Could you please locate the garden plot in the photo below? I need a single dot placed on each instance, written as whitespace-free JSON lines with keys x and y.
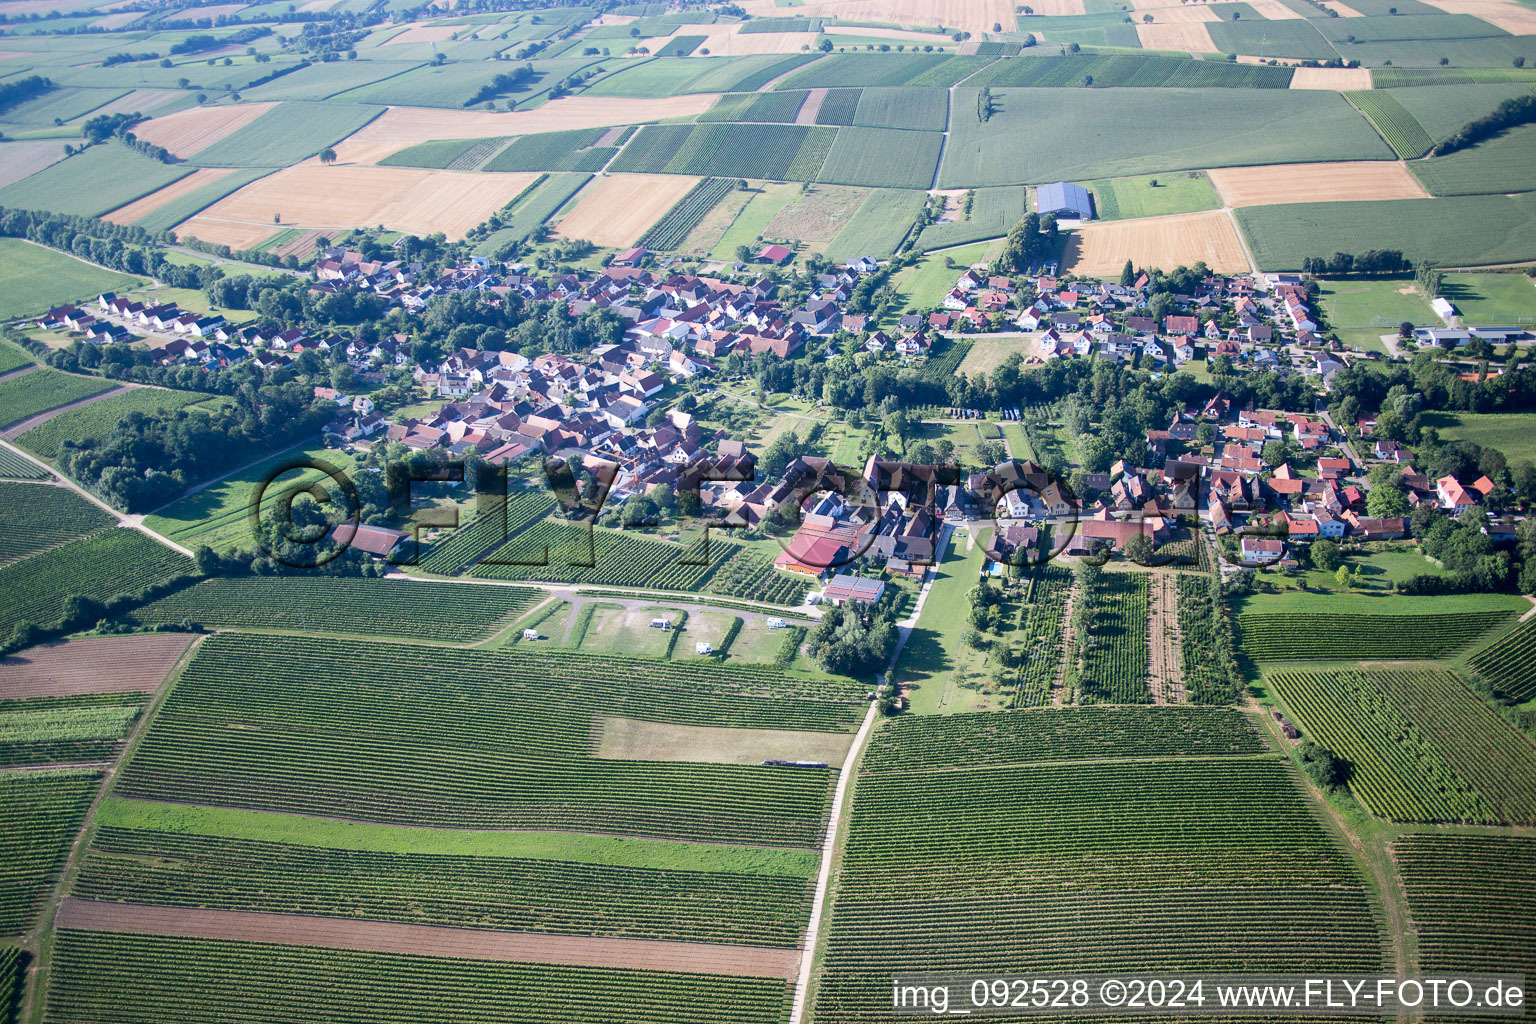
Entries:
{"x":106,"y":664}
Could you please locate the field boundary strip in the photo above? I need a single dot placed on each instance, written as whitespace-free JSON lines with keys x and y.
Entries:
{"x":426,"y":940}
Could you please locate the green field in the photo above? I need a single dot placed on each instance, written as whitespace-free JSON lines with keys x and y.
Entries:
{"x":1397,"y":125}
{"x":777,"y":152}
{"x":925,"y":285}
{"x":421,"y":725}
{"x":43,"y":389}
{"x":1510,"y":433}
{"x":319,"y":81}
{"x":216,"y":515}
{"x":883,"y":157}
{"x":1219,"y":857}
{"x":1348,"y":636}
{"x":1140,"y":131}
{"x":105,"y":566}
{"x":993,"y":212}
{"x":101,"y":976}
{"x":1494,"y":167}
{"x":673,"y":76}
{"x":879,"y":226}
{"x":534,"y":207}
{"x":1443,"y":109}
{"x":883,"y":69}
{"x":41,"y":516}
{"x":1118,"y":198}
{"x":1491,"y":299}
{"x":911,"y":107}
{"x":773,"y":107}
{"x":1422,"y":746}
{"x":65,"y":730}
{"x":100,"y":179}
{"x":1298,"y":38}
{"x":179,"y":209}
{"x":1509,"y":663}
{"x":839,"y":106}
{"x":555,"y":151}
{"x":748,"y":227}
{"x":97,"y":419}
{"x":1466,"y":231}
{"x":40,"y":813}
{"x":34,"y":279}
{"x":287,"y":134}
{"x":1377,"y":305}
{"x":1472,"y":899}
{"x":1127,"y":70}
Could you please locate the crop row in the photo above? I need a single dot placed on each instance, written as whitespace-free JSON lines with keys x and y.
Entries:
{"x":38,"y":516}
{"x":13,"y":978}
{"x":1396,"y":123}
{"x":342,"y":604}
{"x":1058,"y":734}
{"x":40,"y":812}
{"x":493,"y":522}
{"x":98,"y":419}
{"x":1472,"y":900}
{"x":669,"y":232}
{"x":104,"y":566}
{"x":1044,"y":625}
{"x":555,"y":151}
{"x":839,"y":106}
{"x":134,"y":979}
{"x":1127,"y":70}
{"x":65,"y":730}
{"x":41,"y":390}
{"x":1212,"y":864}
{"x":516,"y":894}
{"x":562,"y":552}
{"x":1509,"y":663}
{"x":1303,"y":636}
{"x":1110,"y":632}
{"x":18,"y":468}
{"x":478,"y":739}
{"x":1421,"y":745}
{"x":1207,"y":648}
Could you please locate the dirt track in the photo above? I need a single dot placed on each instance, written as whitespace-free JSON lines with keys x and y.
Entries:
{"x":422,"y":940}
{"x":105,"y":664}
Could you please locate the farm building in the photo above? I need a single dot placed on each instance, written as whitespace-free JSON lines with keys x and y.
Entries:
{"x":844,"y":587}
{"x":376,"y":540}
{"x":1064,"y":200}
{"x":775,"y":254}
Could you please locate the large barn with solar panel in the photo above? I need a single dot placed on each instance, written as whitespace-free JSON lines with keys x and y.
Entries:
{"x":1064,"y":200}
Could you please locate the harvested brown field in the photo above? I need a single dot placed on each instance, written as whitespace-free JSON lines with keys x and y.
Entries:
{"x":140,"y":101}
{"x":730,"y":41}
{"x":1269,"y":184}
{"x":1100,"y":250}
{"x":190,"y":131}
{"x":629,"y":739}
{"x":974,"y":16}
{"x":1511,"y":17}
{"x":175,"y":190}
{"x":1341,"y":79}
{"x":235,"y":234}
{"x":399,"y":127}
{"x":817,"y":214}
{"x":310,"y":195}
{"x":1057,"y":8}
{"x":425,"y":940}
{"x":100,"y":664}
{"x":616,"y":209}
{"x":1189,"y":36}
{"x":1174,"y":14}
{"x":1273,"y":10}
{"x":21,"y":159}
{"x":431,"y":32}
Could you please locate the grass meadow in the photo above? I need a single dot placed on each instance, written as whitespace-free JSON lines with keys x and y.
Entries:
{"x":34,"y":279}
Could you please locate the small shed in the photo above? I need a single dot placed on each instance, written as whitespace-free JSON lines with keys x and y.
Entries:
{"x":703,"y":648}
{"x":661,"y":623}
{"x":531,"y":634}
